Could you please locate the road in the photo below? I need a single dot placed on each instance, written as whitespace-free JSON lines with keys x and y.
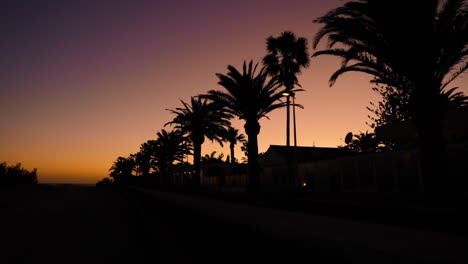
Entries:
{"x":70,"y":224}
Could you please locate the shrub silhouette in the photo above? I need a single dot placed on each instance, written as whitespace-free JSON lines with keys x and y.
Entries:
{"x":16,"y":175}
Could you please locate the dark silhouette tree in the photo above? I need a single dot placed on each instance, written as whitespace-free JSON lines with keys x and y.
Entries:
{"x":16,"y":175}
{"x":212,"y":158}
{"x":148,"y":150}
{"x":198,"y":120}
{"x":418,"y":47}
{"x":143,"y":160}
{"x":249,"y":96}
{"x":365,"y":143}
{"x":168,"y":148}
{"x":287,"y":55}
{"x":104,"y":183}
{"x":453,"y":99}
{"x":394,"y":106}
{"x":122,"y":169}
{"x":232,"y":136}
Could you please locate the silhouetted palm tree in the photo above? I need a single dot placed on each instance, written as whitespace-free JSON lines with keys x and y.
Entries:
{"x":416,"y":46}
{"x":364,"y":143}
{"x":121,"y":169}
{"x":142,"y":164}
{"x":198,"y":120}
{"x":453,"y":99}
{"x":168,"y":148}
{"x":287,"y":55}
{"x":143,"y":158}
{"x":212,"y":158}
{"x":249,"y":96}
{"x":232,"y":136}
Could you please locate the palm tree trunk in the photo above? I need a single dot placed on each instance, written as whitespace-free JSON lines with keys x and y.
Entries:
{"x":233,"y":160}
{"x":252,"y":129}
{"x":164,"y":175}
{"x":169,"y":175}
{"x":432,"y":151}
{"x":196,"y":163}
{"x":432,"y":148}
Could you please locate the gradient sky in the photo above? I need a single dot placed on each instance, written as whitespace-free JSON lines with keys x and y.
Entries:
{"x":83,"y":82}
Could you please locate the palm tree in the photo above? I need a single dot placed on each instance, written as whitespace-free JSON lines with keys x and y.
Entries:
{"x":198,"y":120}
{"x":287,"y":55}
{"x":418,"y":47}
{"x":168,"y":148}
{"x":212,"y":158}
{"x":121,"y":169}
{"x":453,"y":99}
{"x":232,"y":136}
{"x":143,"y":158}
{"x":249,"y":96}
{"x":365,"y":143}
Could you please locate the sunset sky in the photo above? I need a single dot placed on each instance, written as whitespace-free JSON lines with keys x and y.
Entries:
{"x":83,"y":82}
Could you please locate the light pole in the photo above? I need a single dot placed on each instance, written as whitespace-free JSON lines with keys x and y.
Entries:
{"x":294,"y":165}
{"x":287,"y":95}
{"x":294,"y":121}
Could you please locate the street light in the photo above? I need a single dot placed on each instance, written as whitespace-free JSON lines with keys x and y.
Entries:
{"x":294,"y":165}
{"x":287,"y":95}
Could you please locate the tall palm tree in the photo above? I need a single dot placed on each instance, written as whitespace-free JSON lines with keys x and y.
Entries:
{"x":168,"y":148}
{"x":287,"y":55}
{"x":417,"y":46}
{"x":249,"y":96}
{"x":198,"y":120}
{"x":232,"y":136}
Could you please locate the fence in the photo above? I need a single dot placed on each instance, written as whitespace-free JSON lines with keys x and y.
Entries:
{"x":224,"y":174}
{"x":384,"y":172}
{"x":398,"y":171}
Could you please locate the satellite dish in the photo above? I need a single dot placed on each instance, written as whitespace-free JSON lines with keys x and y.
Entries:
{"x":348,"y":138}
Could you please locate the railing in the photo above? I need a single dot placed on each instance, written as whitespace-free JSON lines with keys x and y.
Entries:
{"x":398,"y":171}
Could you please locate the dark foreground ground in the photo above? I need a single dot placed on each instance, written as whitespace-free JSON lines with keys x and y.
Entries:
{"x":442,"y":214}
{"x":69,"y":224}
{"x":73,"y":224}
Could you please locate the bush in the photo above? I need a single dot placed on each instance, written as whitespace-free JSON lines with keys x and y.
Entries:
{"x":104,"y":183}
{"x":16,"y":175}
